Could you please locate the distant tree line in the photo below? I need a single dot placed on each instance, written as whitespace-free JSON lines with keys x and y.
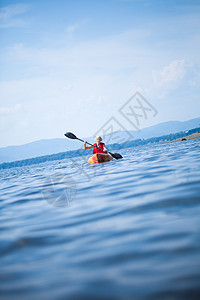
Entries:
{"x":82,"y":152}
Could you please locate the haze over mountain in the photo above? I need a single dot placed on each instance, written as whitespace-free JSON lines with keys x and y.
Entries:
{"x":51,"y":146}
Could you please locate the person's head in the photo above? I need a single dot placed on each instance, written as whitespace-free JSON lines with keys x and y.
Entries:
{"x":98,"y":139}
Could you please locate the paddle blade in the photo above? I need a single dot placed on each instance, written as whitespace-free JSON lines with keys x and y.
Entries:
{"x":70,"y":135}
{"x":116,"y":155}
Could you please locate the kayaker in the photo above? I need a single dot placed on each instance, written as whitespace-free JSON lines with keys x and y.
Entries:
{"x":98,"y":144}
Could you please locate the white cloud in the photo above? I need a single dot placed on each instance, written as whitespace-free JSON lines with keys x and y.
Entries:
{"x":9,"y":15}
{"x":10,"y":109}
{"x":171,"y":73}
{"x":72,"y":28}
{"x":114,"y":53}
{"x":176,"y":82}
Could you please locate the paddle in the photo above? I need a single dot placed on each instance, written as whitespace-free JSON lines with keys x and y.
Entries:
{"x":72,"y":136}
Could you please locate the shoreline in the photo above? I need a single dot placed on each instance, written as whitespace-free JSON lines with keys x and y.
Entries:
{"x":193,"y":136}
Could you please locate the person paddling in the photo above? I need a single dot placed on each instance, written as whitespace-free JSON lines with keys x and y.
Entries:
{"x":72,"y":136}
{"x":98,"y":144}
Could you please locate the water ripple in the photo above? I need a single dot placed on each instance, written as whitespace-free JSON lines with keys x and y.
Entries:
{"x":128,"y":229}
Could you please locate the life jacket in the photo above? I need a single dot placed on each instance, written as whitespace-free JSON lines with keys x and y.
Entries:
{"x":95,"y":150}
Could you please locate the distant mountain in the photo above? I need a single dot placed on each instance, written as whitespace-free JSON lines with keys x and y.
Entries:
{"x":166,"y":128}
{"x":37,"y":148}
{"x":51,"y":146}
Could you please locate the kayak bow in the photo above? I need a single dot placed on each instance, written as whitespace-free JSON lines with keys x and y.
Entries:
{"x":99,"y":158}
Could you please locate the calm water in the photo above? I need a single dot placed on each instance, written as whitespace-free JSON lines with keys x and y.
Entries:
{"x":128,"y":229}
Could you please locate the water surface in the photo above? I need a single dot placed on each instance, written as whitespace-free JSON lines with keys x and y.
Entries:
{"x":127,"y":229}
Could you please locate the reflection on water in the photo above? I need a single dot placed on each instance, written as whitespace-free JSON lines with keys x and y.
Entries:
{"x":127,"y":229}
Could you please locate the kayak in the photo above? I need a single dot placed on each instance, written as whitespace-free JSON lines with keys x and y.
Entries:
{"x":99,"y":158}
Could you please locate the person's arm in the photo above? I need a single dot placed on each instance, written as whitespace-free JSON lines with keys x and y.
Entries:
{"x":104,"y":148}
{"x":87,"y":147}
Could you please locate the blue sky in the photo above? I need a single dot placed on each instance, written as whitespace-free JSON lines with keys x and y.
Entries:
{"x":71,"y":65}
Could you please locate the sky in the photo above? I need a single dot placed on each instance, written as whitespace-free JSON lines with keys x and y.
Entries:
{"x":71,"y":65}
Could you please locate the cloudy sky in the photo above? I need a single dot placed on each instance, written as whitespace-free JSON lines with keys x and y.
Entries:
{"x":70,"y":65}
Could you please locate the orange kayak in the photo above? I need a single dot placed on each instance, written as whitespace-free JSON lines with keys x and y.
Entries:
{"x":99,"y":158}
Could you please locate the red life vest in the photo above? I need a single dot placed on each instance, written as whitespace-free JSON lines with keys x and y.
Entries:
{"x":95,"y":150}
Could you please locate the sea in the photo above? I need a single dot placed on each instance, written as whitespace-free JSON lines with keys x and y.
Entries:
{"x":125,"y":229}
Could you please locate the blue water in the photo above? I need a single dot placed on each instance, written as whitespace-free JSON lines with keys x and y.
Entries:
{"x":127,"y":229}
